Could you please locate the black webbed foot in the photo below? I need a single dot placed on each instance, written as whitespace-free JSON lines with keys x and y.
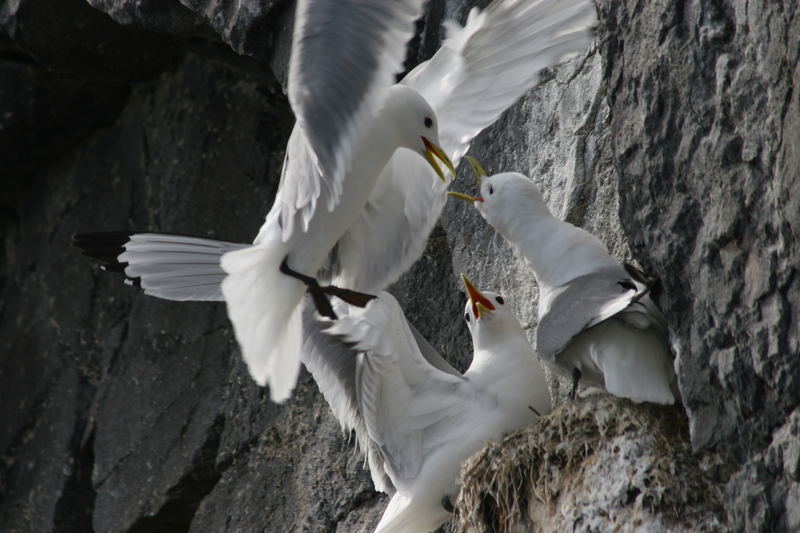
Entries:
{"x":359,"y":299}
{"x":318,"y":292}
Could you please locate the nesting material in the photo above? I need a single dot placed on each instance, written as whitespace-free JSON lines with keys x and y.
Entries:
{"x":597,"y":464}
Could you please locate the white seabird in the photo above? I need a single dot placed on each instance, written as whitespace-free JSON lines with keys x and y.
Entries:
{"x":597,"y":321}
{"x":339,"y":230}
{"x":416,"y":417}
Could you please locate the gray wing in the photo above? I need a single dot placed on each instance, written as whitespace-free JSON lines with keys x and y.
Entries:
{"x":393,"y":228}
{"x":430,"y":353}
{"x":480,"y":71}
{"x":404,"y":400}
{"x":343,"y":53}
{"x":484,"y":67}
{"x":333,"y":363}
{"x":588,"y":300}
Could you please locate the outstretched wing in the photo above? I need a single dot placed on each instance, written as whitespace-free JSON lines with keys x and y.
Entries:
{"x":484,"y":67}
{"x":404,"y":400}
{"x":589,"y":300}
{"x":480,"y":71}
{"x":393,"y":228}
{"x":344,"y":53}
{"x":334,"y":363}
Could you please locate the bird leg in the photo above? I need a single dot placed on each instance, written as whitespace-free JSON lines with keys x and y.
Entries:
{"x":576,"y":376}
{"x":321,"y":301}
{"x":447,"y":503}
{"x":359,"y":299}
{"x":318,"y":292}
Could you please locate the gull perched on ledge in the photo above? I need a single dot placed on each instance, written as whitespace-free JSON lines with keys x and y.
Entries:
{"x":597,"y":321}
{"x":417,"y":418}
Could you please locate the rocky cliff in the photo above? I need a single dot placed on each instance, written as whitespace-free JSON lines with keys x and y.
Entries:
{"x":676,"y":139}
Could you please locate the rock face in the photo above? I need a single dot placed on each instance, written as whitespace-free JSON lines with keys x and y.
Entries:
{"x":675,"y":140}
{"x":596,"y":464}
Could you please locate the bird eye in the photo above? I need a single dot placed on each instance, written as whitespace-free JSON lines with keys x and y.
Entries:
{"x":500,"y":300}
{"x":428,"y":122}
{"x":491,"y":190}
{"x":466,"y":317}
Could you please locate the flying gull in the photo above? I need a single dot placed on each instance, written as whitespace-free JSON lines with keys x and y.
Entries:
{"x":415,"y":416}
{"x":320,"y":234}
{"x":597,"y":321}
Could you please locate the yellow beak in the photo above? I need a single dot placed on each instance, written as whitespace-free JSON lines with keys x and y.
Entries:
{"x":465,"y":197}
{"x":432,"y":150}
{"x":477,"y":169}
{"x":481,"y":305}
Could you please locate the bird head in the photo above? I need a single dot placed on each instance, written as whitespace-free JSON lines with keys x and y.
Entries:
{"x":417,"y":127}
{"x":489,"y":319}
{"x":504,"y":197}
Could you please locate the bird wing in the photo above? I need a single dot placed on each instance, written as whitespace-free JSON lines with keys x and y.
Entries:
{"x":480,"y":71}
{"x":343,"y":54}
{"x":589,"y":300}
{"x":483,"y":67}
{"x":405,"y":401}
{"x":393,"y":227}
{"x":334,"y":364}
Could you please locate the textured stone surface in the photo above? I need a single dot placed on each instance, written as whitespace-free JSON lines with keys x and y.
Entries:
{"x":677,"y":135}
{"x":596,"y":464}
{"x":705,"y":118}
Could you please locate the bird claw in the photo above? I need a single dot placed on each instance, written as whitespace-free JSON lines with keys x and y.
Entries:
{"x":319,"y":293}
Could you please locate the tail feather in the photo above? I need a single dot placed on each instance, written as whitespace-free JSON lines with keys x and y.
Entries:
{"x":406,"y":515}
{"x":637,"y":365}
{"x":264,"y":308}
{"x":172,"y":267}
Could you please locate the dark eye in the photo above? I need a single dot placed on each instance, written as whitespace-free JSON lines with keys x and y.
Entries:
{"x":428,"y":122}
{"x":500,"y":300}
{"x":491,"y":190}
{"x":466,"y":317}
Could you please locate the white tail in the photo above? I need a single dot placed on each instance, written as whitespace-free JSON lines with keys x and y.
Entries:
{"x":264,"y":307}
{"x":636,"y":365}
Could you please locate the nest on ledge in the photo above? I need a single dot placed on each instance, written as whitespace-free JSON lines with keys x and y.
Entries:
{"x":597,"y":464}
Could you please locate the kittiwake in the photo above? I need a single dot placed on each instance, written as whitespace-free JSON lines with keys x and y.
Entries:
{"x":415,"y":416}
{"x":597,"y":321}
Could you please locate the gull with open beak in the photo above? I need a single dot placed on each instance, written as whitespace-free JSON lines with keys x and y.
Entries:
{"x":356,"y":201}
{"x":597,"y":321}
{"x":416,"y":417}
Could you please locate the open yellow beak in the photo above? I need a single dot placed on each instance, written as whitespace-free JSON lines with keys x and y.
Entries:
{"x":432,"y":150}
{"x":477,"y":169}
{"x":481,"y":305}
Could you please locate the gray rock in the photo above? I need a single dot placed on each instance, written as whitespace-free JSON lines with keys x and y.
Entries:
{"x":674,"y":141}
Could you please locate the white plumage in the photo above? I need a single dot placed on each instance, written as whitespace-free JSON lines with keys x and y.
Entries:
{"x":594,"y":316}
{"x":422,"y":422}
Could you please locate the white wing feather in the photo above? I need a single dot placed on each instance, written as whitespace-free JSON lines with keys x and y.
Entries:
{"x":484,"y":67}
{"x":480,"y":71}
{"x":402,"y":397}
{"x":344,"y":53}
